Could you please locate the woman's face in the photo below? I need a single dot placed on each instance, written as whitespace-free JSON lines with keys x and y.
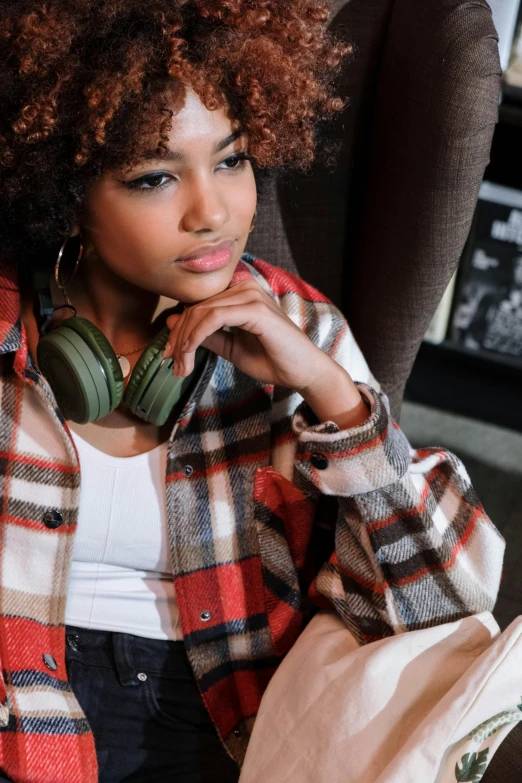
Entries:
{"x":142,"y":224}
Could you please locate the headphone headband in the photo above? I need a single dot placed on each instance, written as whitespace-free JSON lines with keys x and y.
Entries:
{"x":43,"y":307}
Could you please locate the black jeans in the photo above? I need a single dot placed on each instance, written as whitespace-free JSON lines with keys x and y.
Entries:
{"x":149,"y":721}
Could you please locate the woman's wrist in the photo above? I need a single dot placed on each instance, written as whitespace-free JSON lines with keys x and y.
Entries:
{"x":335,"y":397}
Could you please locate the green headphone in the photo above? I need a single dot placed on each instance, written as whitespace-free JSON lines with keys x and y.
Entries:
{"x":86,"y":378}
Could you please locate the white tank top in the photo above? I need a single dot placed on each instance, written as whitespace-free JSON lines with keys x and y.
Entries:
{"x":121,"y":575}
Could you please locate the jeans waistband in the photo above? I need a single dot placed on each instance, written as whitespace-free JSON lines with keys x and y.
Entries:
{"x":129,"y":655}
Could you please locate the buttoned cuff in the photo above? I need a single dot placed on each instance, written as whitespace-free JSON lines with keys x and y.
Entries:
{"x":350,"y":462}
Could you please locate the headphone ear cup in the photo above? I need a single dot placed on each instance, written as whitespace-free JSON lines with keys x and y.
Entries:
{"x":145,"y":367}
{"x":152,"y":390}
{"x":82,"y":370}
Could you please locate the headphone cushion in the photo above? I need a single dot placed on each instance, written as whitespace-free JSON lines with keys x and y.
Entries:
{"x":149,"y":355}
{"x":104,"y":352}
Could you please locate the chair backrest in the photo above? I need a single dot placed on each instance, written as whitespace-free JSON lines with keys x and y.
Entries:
{"x":382,"y":233}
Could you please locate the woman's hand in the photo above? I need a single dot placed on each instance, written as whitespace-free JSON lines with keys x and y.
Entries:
{"x":264,"y":343}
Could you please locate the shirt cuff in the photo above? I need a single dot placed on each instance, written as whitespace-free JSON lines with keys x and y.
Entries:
{"x":350,"y":462}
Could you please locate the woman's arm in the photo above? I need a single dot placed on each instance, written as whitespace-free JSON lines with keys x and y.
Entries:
{"x":413,"y":544}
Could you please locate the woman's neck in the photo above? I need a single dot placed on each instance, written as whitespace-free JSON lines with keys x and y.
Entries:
{"x":123,"y":312}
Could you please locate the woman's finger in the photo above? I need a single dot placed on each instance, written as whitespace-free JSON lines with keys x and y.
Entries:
{"x":220,"y":342}
{"x":248,"y":298}
{"x":250,"y":317}
{"x":232,"y":297}
{"x":183,"y":342}
{"x":174,"y":323}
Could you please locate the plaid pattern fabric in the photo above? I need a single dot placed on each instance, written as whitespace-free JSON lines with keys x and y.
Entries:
{"x":411,"y":545}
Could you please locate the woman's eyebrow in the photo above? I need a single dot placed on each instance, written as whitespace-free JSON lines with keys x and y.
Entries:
{"x":175,"y":156}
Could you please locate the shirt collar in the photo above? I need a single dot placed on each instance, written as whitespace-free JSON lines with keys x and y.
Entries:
{"x":10,"y":310}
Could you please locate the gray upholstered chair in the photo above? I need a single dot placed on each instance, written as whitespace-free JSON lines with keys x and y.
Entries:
{"x":382,"y":233}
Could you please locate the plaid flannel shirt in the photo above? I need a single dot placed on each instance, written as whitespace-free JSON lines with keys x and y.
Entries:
{"x":253,"y":552}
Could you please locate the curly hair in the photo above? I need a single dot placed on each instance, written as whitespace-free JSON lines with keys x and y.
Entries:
{"x":84,"y":88}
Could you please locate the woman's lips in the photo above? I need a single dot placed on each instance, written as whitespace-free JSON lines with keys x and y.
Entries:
{"x":209,"y":262}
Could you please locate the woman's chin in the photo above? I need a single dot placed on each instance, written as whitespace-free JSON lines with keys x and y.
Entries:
{"x":201,"y":286}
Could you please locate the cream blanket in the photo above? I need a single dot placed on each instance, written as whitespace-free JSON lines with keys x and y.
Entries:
{"x":430,"y":705}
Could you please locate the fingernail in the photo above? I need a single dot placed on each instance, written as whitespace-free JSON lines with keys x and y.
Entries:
{"x":167,"y":348}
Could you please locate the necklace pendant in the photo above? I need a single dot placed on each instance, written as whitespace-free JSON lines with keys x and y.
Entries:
{"x":125,"y":365}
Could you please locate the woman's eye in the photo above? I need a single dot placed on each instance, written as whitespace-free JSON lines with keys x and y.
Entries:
{"x":237,"y":161}
{"x":149,"y":182}
{"x":158,"y":181}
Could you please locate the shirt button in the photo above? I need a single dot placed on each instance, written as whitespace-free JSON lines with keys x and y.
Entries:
{"x":142,"y":676}
{"x":188,"y":470}
{"x":237,"y":733}
{"x":50,"y":662}
{"x":205,"y":616}
{"x":52,"y":519}
{"x":319,"y":461}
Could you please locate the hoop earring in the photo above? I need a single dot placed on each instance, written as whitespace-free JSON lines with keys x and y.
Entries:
{"x":253,"y":225}
{"x":62,"y":286}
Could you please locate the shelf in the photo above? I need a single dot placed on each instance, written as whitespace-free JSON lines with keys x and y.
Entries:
{"x":467,"y":383}
{"x":488,"y":356}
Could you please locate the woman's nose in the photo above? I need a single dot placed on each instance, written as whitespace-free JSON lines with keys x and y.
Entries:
{"x":205,"y":209}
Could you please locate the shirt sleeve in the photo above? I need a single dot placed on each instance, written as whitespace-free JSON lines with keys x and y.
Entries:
{"x":414,"y":546}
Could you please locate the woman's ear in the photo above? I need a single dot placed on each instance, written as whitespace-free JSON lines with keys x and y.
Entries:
{"x":76,"y":230}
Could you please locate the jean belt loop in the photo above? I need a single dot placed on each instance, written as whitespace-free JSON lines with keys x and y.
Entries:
{"x":122,"y":648}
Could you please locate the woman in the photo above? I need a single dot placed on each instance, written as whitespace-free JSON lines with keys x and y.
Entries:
{"x":156,"y":568}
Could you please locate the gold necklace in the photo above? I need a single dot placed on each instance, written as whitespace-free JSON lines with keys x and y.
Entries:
{"x":124,"y":362}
